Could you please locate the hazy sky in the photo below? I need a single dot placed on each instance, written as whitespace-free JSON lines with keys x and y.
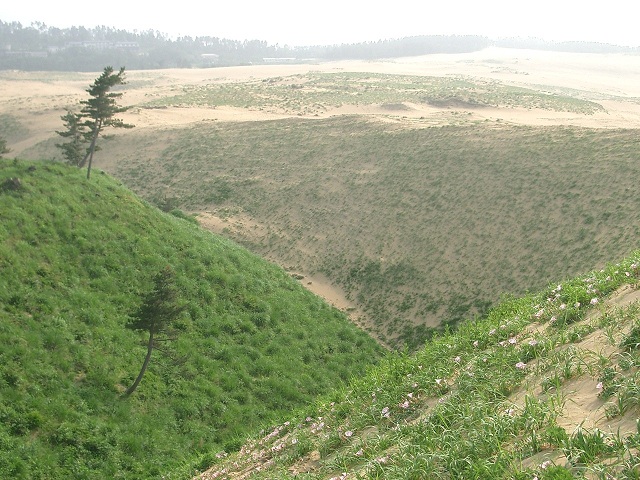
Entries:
{"x":300,"y":22}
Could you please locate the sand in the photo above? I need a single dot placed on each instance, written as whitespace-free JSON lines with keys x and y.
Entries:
{"x":38,"y":99}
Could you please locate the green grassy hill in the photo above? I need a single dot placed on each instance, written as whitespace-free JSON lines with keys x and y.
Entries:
{"x":544,"y":387}
{"x":76,"y":257}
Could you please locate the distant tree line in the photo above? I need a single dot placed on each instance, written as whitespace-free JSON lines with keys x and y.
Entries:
{"x":42,"y":47}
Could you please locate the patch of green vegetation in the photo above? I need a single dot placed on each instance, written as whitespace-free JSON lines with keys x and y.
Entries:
{"x":467,"y":405}
{"x":76,"y":259}
{"x":11,"y":129}
{"x":315,"y":92}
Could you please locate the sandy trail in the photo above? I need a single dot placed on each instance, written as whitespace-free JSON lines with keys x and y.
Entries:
{"x":319,"y":284}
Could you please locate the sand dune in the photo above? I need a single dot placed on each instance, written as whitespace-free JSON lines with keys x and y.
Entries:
{"x":38,"y":99}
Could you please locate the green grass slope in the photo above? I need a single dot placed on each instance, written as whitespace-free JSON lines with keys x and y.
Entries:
{"x":545,"y":387}
{"x":75,"y":259}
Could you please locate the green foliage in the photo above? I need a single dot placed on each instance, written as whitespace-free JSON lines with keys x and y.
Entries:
{"x":74,"y":150}
{"x":556,"y":472}
{"x":97,"y":113}
{"x":176,"y":212}
{"x":632,"y":340}
{"x":3,"y":147}
{"x":160,"y":308}
{"x":467,"y":404}
{"x":76,"y":260}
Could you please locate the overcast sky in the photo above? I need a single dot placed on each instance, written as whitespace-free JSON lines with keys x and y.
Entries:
{"x":300,"y":22}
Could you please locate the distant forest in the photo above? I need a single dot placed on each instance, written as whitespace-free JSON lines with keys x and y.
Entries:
{"x":42,"y":47}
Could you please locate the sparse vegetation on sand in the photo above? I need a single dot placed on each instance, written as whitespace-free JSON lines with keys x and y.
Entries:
{"x":421,"y":227}
{"x":546,"y":386}
{"x":316,"y":92}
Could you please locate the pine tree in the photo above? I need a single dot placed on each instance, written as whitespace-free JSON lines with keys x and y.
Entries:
{"x":100,"y":109}
{"x":74,"y":150}
{"x":159,"y":309}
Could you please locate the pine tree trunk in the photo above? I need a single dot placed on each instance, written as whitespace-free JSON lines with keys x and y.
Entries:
{"x":92,"y":149}
{"x":133,"y":387}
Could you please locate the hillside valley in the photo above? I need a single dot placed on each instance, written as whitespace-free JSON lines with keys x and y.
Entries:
{"x":544,"y":387}
{"x":413,"y":192}
{"x":471,"y":221}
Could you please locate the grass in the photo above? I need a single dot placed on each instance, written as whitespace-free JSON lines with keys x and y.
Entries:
{"x":315,"y":92}
{"x":75,"y":260}
{"x":421,"y":227}
{"x":469,"y":404}
{"x":395,"y":214}
{"x":418,"y":225}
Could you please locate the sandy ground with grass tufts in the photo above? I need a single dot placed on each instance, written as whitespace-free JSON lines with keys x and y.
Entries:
{"x":38,"y":99}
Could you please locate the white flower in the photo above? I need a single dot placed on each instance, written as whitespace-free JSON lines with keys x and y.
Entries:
{"x":594,"y":301}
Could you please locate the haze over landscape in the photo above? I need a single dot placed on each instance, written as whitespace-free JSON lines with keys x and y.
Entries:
{"x":288,"y":22}
{"x":398,"y":267}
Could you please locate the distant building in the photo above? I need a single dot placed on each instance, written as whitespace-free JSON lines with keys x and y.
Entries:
{"x":209,"y":59}
{"x":279,"y":60}
{"x":104,"y":45}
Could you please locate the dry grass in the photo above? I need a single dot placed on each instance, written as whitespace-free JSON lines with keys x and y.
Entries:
{"x":417,"y":226}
